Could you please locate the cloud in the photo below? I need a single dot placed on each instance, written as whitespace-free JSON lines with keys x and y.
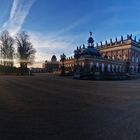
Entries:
{"x":14,"y":9}
{"x":56,"y":43}
{"x":19,"y":11}
{"x":46,"y":46}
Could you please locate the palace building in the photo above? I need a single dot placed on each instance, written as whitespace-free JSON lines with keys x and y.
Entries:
{"x":119,"y":56}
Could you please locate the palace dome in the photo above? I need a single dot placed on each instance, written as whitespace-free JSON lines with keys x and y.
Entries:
{"x":53,"y":58}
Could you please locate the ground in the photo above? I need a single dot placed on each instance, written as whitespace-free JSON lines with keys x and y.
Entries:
{"x":45,"y":107}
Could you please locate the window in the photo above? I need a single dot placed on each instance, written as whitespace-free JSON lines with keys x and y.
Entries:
{"x":113,"y":68}
{"x":120,"y":68}
{"x":116,"y":68}
{"x":133,"y":59}
{"x":97,"y":66}
{"x":108,"y":67}
{"x":137,"y":59}
{"x":91,"y":65}
{"x":102,"y":67}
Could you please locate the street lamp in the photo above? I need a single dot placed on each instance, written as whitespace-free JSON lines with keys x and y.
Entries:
{"x":77,"y":68}
{"x":63,"y":59}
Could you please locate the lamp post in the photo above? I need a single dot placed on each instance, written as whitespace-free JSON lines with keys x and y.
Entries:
{"x":63,"y":59}
{"x":77,"y":68}
{"x":76,"y":56}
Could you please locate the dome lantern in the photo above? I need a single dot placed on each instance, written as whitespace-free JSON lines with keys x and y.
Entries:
{"x":90,"y":41}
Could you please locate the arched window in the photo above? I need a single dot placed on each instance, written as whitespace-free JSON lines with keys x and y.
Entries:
{"x":108,"y":67}
{"x":137,"y":59}
{"x":132,"y":69}
{"x":113,"y":57}
{"x":102,"y":67}
{"x":133,"y":59}
{"x":137,"y":68}
{"x":116,"y":68}
{"x":91,"y":65}
{"x":97,"y":66}
{"x":83,"y":64}
{"x":124,"y":57}
{"x":120,"y":68}
{"x":113,"y":68}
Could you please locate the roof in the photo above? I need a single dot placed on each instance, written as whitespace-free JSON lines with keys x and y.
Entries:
{"x":91,"y":52}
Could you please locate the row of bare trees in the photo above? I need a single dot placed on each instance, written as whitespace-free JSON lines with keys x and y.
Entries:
{"x":19,"y":48}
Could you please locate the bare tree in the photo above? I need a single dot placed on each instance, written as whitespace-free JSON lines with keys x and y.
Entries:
{"x":25,"y":51}
{"x":7,"y":49}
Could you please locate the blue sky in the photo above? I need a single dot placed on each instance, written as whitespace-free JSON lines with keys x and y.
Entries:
{"x":57,"y":26}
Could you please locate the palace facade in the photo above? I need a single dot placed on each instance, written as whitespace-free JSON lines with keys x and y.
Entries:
{"x":119,"y":56}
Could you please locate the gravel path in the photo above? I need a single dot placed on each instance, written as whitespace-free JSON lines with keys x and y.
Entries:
{"x":44,"y":107}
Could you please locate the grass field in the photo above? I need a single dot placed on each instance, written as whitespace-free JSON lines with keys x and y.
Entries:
{"x":45,"y":107}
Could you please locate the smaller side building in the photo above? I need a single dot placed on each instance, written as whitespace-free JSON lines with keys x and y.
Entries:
{"x":51,"y":66}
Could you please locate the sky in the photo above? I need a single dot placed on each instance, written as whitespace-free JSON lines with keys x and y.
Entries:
{"x":59,"y":26}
